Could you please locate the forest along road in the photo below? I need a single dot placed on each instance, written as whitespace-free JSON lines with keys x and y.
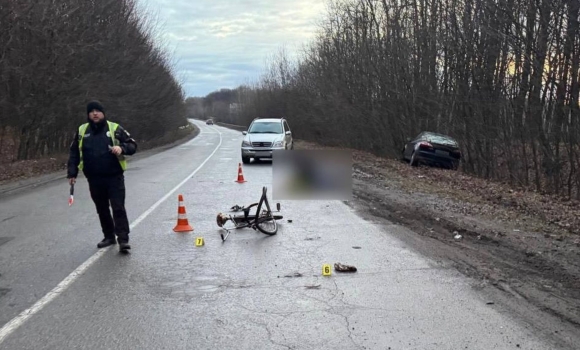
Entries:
{"x":251,"y":292}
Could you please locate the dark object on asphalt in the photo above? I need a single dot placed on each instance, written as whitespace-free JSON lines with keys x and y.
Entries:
{"x":433,"y":149}
{"x":344,"y":268}
{"x":295,"y":274}
{"x":313,"y":287}
{"x":209,"y":122}
{"x":356,"y":247}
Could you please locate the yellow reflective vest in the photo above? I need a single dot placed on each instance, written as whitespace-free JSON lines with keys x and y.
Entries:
{"x":111,"y":134}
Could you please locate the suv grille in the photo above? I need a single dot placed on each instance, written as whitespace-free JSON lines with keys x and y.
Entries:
{"x":262,"y":144}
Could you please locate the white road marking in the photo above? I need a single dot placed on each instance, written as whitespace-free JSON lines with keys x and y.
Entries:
{"x":16,"y":322}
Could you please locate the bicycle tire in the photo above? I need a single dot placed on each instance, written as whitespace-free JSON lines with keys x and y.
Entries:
{"x":269,"y":218}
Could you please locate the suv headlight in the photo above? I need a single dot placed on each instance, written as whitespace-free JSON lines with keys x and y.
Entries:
{"x":278,"y":143}
{"x":246,"y":143}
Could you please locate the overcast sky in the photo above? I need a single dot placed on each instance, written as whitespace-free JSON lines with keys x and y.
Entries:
{"x":224,"y":43}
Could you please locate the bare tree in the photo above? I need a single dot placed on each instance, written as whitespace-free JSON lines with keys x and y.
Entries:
{"x":500,"y":76}
{"x":55,"y":55}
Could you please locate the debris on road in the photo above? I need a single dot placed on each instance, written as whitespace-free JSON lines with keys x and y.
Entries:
{"x":457,"y":235}
{"x":295,"y":274}
{"x":313,"y":286}
{"x":344,"y":268}
{"x":356,"y":247}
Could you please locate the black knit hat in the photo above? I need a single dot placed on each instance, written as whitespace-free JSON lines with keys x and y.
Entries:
{"x":95,"y":105}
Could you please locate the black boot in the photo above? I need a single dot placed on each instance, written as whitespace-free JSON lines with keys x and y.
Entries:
{"x":123,"y":247}
{"x":106,"y":242}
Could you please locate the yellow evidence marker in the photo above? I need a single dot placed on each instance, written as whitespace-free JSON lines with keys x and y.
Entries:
{"x":326,"y":270}
{"x":199,"y":241}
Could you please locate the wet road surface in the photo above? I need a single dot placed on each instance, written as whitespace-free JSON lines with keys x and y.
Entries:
{"x":251,"y":292}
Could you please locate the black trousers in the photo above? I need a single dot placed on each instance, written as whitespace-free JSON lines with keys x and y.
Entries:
{"x":107,"y":191}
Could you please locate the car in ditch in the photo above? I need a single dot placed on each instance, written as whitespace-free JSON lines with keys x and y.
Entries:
{"x":433,"y":149}
{"x":264,"y":135}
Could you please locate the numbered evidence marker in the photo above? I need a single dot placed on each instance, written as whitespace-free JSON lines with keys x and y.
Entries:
{"x":326,"y":270}
{"x":199,"y":241}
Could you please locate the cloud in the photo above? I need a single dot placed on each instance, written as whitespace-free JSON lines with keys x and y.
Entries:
{"x":219,"y":43}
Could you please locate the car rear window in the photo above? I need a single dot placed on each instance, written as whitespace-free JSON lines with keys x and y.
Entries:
{"x":441,"y":139}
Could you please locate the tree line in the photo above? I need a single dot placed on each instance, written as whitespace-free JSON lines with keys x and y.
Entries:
{"x":501,"y":76}
{"x":56,"y":55}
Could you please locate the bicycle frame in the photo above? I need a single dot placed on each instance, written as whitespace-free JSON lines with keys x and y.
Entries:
{"x":250,"y":220}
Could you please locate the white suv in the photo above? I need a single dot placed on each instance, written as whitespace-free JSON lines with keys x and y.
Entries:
{"x":264,"y":136}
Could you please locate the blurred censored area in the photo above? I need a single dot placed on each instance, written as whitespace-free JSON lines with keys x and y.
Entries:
{"x":312,"y":175}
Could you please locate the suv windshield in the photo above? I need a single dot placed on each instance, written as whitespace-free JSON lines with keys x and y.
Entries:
{"x":266,"y":128}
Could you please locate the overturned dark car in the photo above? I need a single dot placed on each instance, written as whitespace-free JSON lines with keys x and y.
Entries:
{"x":433,"y":149}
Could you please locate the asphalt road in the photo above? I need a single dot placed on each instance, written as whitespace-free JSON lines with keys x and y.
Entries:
{"x":57,"y":291}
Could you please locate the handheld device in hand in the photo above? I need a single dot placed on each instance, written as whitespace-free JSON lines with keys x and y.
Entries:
{"x":71,"y":198}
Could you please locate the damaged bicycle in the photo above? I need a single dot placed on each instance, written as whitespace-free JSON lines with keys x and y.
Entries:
{"x":263,"y":219}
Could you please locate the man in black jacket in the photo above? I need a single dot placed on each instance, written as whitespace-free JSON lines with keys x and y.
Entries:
{"x":99,"y":149}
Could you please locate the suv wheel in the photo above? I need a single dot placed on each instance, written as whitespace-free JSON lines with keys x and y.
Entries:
{"x":246,"y":160}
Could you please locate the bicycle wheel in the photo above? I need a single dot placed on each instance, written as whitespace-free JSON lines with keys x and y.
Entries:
{"x":265,"y":220}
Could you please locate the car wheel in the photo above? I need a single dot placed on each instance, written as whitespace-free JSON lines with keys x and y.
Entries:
{"x":246,"y":160}
{"x":414,"y":161}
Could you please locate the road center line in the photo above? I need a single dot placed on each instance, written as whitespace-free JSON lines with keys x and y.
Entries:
{"x":16,"y":322}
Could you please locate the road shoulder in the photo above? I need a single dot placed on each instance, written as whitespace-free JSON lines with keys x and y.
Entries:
{"x":522,"y":244}
{"x":38,"y":172}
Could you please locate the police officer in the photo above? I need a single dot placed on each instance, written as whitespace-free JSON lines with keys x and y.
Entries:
{"x":99,"y":149}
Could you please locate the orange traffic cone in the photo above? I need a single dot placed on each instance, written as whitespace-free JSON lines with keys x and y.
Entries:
{"x":240,"y":174}
{"x":182,"y":223}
